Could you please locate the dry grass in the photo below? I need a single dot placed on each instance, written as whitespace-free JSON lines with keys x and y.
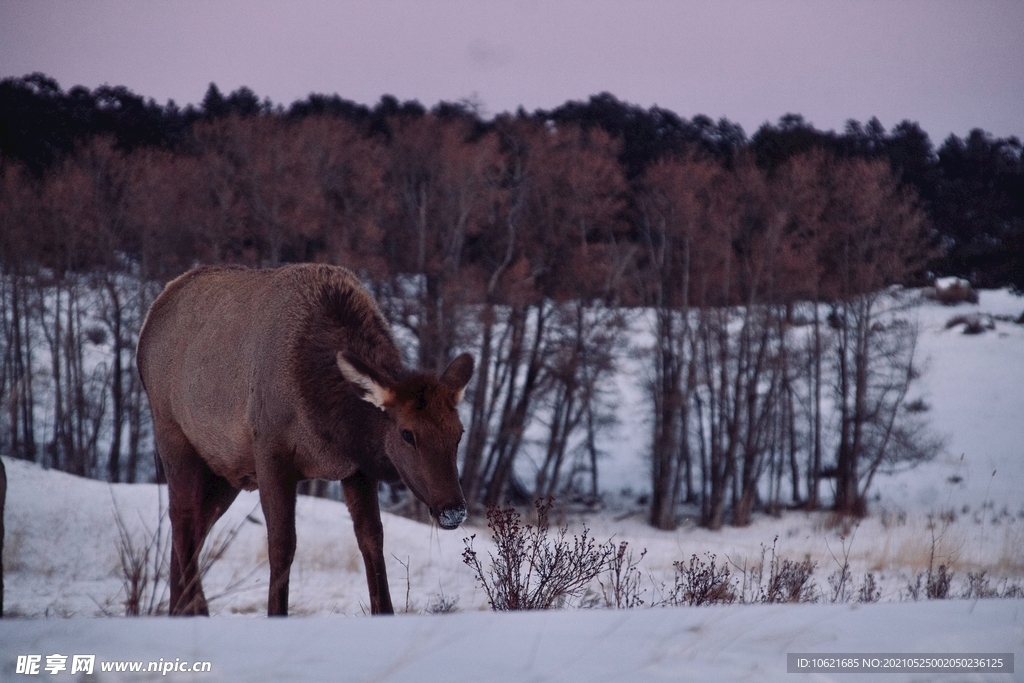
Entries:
{"x":256,"y":608}
{"x":962,"y":543}
{"x":915,"y":548}
{"x":1011,"y":555}
{"x":14,"y":546}
{"x":330,"y":555}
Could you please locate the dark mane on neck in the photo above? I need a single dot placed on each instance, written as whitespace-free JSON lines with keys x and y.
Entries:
{"x":338,"y":314}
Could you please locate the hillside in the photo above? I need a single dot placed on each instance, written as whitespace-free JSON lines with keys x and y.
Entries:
{"x":963,"y":510}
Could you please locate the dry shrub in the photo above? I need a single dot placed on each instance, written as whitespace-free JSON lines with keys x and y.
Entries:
{"x":869,"y":590}
{"x":621,"y":584}
{"x":703,"y":583}
{"x":443,"y":604}
{"x":974,"y":323}
{"x":791,"y":581}
{"x":978,"y":586}
{"x":410,"y":607}
{"x":145,"y":558}
{"x":839,"y":582}
{"x":935,"y":582}
{"x":933,"y":585}
{"x":779,"y":579}
{"x":531,"y":569}
{"x":1011,"y":591}
{"x":144,"y":563}
{"x":938,"y":583}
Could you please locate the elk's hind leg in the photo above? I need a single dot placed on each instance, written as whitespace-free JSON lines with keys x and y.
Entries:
{"x":197,"y":498}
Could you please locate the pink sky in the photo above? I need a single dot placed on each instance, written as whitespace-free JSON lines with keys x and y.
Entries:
{"x":950,"y":65}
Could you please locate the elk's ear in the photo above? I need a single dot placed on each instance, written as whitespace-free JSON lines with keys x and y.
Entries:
{"x":457,"y":375}
{"x":372,"y":391}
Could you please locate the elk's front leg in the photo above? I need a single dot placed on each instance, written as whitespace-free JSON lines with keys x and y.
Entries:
{"x":361,"y":498}
{"x":277,"y":498}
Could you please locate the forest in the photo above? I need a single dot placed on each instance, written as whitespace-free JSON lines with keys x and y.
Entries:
{"x":768,"y":274}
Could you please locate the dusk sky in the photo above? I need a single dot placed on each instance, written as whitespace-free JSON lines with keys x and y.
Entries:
{"x":950,"y":65}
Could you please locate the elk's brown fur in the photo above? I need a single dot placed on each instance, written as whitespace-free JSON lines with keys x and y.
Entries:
{"x":262,"y":378}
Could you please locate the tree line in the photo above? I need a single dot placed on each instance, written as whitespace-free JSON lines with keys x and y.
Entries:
{"x":765,"y":269}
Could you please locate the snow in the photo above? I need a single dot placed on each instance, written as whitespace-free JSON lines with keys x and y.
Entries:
{"x":62,"y":560}
{"x":966,"y":508}
{"x":943,"y":283}
{"x":975,"y":384}
{"x":734,"y":643}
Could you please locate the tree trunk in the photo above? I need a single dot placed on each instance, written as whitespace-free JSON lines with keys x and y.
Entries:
{"x":664,"y":456}
{"x":479,"y":421}
{"x":515,"y":417}
{"x":814,"y":467}
{"x":116,"y":383}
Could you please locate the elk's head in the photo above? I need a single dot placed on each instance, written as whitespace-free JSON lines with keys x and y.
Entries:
{"x":423,"y":431}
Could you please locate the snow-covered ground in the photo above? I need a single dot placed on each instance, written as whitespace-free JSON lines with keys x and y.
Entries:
{"x":733,"y":643}
{"x":61,"y":560}
{"x":975,"y":385}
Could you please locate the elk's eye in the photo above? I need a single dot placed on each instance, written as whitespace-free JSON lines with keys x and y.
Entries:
{"x":407,"y":435}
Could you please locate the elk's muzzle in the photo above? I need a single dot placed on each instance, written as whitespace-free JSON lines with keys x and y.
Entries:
{"x":452,"y":517}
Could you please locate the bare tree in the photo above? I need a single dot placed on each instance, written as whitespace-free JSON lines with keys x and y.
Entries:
{"x":678,"y":215}
{"x":877,"y":237}
{"x":441,"y":178}
{"x":585,"y":341}
{"x":349,"y":170}
{"x":261,"y":178}
{"x":563,"y":196}
{"x":19,"y":207}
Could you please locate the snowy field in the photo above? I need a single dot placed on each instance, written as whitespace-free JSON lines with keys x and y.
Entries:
{"x":966,"y":508}
{"x":733,"y":643}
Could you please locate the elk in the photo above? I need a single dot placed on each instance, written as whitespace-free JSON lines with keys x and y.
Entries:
{"x":258,"y":379}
